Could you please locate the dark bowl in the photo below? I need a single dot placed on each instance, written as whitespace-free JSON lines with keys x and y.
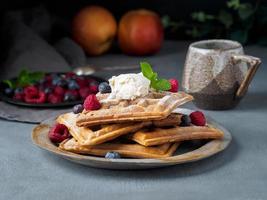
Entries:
{"x":7,"y":99}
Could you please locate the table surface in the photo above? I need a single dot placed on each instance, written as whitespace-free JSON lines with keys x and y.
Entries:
{"x":240,"y":172}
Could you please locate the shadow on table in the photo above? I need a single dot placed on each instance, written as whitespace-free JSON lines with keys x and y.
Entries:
{"x":183,"y":170}
{"x":254,"y":101}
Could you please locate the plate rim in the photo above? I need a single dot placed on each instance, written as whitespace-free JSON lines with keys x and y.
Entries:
{"x":173,"y":160}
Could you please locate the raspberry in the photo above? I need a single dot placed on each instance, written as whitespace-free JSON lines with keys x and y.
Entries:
{"x":18,"y":96}
{"x":93,"y":89}
{"x":31,"y":91}
{"x":84,"y":92}
{"x":75,"y":93}
{"x":174,"y":85}
{"x":198,"y":118}
{"x":58,"y":133}
{"x":82,"y":82}
{"x":54,"y":98}
{"x":59,"y":91}
{"x":70,"y":74}
{"x":91,"y":103}
{"x":39,"y":98}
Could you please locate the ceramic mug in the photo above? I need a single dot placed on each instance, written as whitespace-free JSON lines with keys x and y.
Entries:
{"x":217,"y":73}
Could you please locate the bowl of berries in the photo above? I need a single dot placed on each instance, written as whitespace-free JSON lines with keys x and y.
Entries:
{"x":38,"y":89}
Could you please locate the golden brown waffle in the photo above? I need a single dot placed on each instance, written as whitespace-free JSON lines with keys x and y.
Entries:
{"x":159,"y":136}
{"x":154,"y":106}
{"x":97,"y":135}
{"x":125,"y":150}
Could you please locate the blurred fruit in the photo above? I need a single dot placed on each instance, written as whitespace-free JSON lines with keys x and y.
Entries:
{"x":9,"y":92}
{"x":54,"y":98}
{"x":104,"y":88}
{"x":140,"y":32}
{"x":94,"y":28}
{"x":77,"y":109}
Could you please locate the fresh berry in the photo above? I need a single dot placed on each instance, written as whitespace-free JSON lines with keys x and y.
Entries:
{"x":42,"y":81}
{"x":82,"y":82}
{"x":54,"y":98}
{"x":91,"y":103}
{"x":48,"y":79}
{"x":198,"y":118}
{"x":70,"y":74}
{"x":104,"y":88}
{"x":112,"y":155}
{"x":18,"y":96}
{"x":40,"y":97}
{"x":60,"y":91}
{"x":31,"y":91}
{"x":56,"y":80}
{"x":174,"y":85}
{"x":77,"y":108}
{"x":69,"y":97}
{"x":62,"y":83}
{"x":93,"y":89}
{"x":9,"y":92}
{"x":185,"y":120}
{"x":58,"y":133}
{"x":84,"y":92}
{"x":73,"y":85}
{"x":18,"y":90}
{"x":48,"y":90}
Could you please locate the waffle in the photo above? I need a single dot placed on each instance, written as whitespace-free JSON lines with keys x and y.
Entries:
{"x":154,"y":106}
{"x":157,"y":136}
{"x":97,"y":135}
{"x":100,"y":134}
{"x":125,"y":150}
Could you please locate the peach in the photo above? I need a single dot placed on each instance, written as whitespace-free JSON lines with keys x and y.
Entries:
{"x":140,"y":32}
{"x":94,"y":28}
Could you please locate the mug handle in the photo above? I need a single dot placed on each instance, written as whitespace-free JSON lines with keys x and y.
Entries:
{"x":254,"y":64}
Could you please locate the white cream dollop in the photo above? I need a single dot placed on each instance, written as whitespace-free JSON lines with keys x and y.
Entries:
{"x":129,"y":86}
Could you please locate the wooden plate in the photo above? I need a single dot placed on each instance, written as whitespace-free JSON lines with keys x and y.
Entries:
{"x":187,"y":152}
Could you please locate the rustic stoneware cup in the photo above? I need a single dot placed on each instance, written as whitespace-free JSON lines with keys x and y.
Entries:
{"x":217,"y":73}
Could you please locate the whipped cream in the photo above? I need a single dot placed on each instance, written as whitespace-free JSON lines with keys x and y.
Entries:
{"x":129,"y":86}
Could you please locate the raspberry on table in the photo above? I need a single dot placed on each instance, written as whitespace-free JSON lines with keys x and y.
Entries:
{"x":174,"y":85}
{"x":91,"y":103}
{"x":198,"y":118}
{"x":58,"y":133}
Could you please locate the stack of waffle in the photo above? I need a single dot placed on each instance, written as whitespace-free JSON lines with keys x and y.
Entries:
{"x":140,"y":128}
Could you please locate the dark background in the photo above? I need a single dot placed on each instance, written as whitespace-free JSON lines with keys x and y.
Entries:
{"x":175,"y":8}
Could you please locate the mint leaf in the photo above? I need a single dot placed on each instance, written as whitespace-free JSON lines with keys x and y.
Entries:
{"x":10,"y":83}
{"x":146,"y":69}
{"x":163,"y":84}
{"x":36,"y":76}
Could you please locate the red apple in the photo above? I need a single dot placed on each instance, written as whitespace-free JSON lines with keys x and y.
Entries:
{"x":140,"y":32}
{"x":94,"y":28}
